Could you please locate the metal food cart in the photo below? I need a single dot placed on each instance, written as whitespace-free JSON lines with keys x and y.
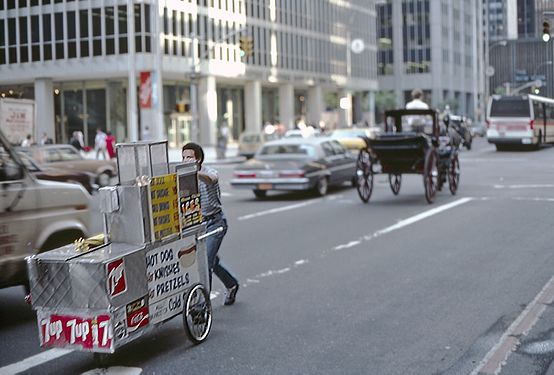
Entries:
{"x":151,"y":267}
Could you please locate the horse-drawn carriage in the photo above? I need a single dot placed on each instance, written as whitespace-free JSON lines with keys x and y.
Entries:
{"x":412,"y":143}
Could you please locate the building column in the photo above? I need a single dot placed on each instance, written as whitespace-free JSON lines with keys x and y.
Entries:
{"x":207,"y":98}
{"x":253,"y":106}
{"x":286,"y":105}
{"x":345,"y":114}
{"x":44,"y":108}
{"x":357,"y":110}
{"x":315,"y":106}
{"x":371,"y":98}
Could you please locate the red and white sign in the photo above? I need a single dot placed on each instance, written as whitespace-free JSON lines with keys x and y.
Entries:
{"x":87,"y":332}
{"x":145,"y":90}
{"x":117,"y":281}
{"x":137,"y":315}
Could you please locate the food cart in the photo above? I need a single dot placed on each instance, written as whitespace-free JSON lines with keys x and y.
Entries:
{"x":151,"y":266}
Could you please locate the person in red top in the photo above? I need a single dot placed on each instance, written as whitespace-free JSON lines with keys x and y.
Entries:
{"x":110,"y":145}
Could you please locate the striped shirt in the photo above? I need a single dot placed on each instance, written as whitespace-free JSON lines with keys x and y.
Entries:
{"x":210,"y":195}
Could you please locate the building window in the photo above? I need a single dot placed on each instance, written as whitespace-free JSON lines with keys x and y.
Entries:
{"x":385,"y":63}
{"x":71,"y":35}
{"x":96,"y":32}
{"x":122,"y":23}
{"x":83,"y":33}
{"x":416,"y":32}
{"x":109,"y":22}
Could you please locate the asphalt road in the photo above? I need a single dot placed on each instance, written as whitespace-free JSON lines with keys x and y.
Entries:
{"x":331,"y":285}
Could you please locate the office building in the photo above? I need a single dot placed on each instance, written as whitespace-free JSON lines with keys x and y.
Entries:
{"x":127,"y":66}
{"x":434,"y":46}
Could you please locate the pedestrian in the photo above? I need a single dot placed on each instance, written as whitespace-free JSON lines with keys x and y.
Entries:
{"x":417,"y":101}
{"x":110,"y":143}
{"x":45,"y":140}
{"x":212,"y":215}
{"x":100,"y":144}
{"x":27,"y":142}
{"x":74,"y":141}
{"x":416,"y":123}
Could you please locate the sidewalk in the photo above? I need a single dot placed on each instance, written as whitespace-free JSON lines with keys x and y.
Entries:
{"x":231,"y":155}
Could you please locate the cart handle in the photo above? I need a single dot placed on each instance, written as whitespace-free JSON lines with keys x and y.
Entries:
{"x":213,"y":232}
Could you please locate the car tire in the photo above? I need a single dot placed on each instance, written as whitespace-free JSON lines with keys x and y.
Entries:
{"x":260,"y":193}
{"x":103,"y":179}
{"x":322,"y":186}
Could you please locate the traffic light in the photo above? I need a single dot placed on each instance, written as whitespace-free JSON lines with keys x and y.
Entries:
{"x":182,"y":107}
{"x":246,"y":46}
{"x":546,"y":31}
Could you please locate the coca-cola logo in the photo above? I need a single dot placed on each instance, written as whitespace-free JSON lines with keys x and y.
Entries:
{"x":117,"y":283}
{"x":145,"y":94}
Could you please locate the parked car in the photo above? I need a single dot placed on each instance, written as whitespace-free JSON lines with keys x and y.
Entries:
{"x":308,"y":131}
{"x":478,"y":129}
{"x":55,"y":174}
{"x":296,"y":164}
{"x":250,"y":142}
{"x":66,"y":157}
{"x":35,"y":215}
{"x":351,"y":138}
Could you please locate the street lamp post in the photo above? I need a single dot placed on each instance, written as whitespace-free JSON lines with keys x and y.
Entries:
{"x":194,"y":77}
{"x":489,"y":71}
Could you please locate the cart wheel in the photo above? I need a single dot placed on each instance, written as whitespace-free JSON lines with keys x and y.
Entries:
{"x":364,"y":175}
{"x":430,"y":174}
{"x":102,"y":359}
{"x":454,"y":174}
{"x":395,"y":181}
{"x":197,"y":315}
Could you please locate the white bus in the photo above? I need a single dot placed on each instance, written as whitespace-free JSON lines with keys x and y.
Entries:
{"x":520,"y":120}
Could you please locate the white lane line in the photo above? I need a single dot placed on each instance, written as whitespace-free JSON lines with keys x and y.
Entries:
{"x":116,"y":370}
{"x":224,"y":194}
{"x":403,"y":223}
{"x":535,"y":199}
{"x":498,"y":355}
{"x":532,"y":186}
{"x":280,"y":209}
{"x":421,"y":216}
{"x":33,"y":361}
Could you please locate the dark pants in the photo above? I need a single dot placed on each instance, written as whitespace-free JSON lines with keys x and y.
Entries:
{"x":214,"y":242}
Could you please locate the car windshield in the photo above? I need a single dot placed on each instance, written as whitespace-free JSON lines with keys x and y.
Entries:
{"x":290,"y":149}
{"x":510,"y":107}
{"x":251,"y":138}
{"x":348,"y":133}
{"x":67,"y":154}
{"x":28,"y":163}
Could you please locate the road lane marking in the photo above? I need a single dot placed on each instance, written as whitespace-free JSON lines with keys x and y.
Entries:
{"x":33,"y":361}
{"x":498,"y":355}
{"x":530,"y":186}
{"x":116,"y":370}
{"x":536,"y":199}
{"x":280,"y":209}
{"x":404,"y":223}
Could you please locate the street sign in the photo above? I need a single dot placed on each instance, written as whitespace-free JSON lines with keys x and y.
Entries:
{"x":357,"y":46}
{"x":489,"y":71}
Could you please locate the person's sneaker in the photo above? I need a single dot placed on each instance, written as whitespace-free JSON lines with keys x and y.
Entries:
{"x":231,"y":295}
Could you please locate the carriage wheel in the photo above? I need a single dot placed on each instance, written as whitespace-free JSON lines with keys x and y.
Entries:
{"x":430,"y":174}
{"x":454,"y":174}
{"x":364,"y":175}
{"x":395,"y":181}
{"x":197,"y":314}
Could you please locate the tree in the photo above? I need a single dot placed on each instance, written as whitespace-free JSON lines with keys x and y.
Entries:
{"x":384,"y":101}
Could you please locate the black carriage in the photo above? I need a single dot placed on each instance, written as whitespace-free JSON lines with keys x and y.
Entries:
{"x":414,"y":143}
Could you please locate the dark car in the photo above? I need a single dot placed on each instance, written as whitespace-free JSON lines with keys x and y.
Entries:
{"x":296,"y":164}
{"x":67,"y":157}
{"x":55,"y":174}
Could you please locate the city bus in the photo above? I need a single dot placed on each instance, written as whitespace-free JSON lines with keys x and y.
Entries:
{"x":526,"y":120}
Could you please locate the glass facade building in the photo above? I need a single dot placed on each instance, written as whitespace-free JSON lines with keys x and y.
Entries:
{"x":84,"y":58}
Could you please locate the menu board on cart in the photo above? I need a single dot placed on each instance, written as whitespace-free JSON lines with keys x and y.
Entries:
{"x":170,"y":270}
{"x":165,"y":211}
{"x":190,"y":213}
